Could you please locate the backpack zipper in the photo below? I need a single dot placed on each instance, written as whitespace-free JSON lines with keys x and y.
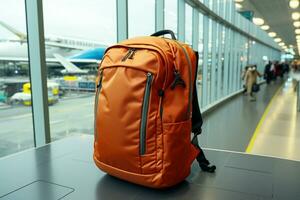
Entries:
{"x":132,"y":53}
{"x":98,"y":88}
{"x":145,"y":108}
{"x":161,"y":94}
{"x":129,"y":54}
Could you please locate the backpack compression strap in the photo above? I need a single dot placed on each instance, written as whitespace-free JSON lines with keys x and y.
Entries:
{"x":196,"y":128}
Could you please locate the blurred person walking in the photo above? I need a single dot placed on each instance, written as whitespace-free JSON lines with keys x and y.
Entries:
{"x":251,"y":82}
{"x":268,"y":73}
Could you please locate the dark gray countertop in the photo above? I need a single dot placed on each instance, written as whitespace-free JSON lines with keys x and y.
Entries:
{"x":65,"y":170}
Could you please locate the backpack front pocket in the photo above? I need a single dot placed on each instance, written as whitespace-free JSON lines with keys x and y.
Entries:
{"x":126,"y":118}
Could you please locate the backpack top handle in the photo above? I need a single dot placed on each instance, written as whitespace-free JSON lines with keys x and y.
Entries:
{"x":164,"y":32}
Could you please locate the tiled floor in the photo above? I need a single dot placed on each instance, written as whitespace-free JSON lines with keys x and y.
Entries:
{"x":279,"y":133}
{"x":231,"y":126}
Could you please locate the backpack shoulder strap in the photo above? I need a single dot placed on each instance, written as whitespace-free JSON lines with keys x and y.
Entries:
{"x":197,"y":122}
{"x":196,"y":114}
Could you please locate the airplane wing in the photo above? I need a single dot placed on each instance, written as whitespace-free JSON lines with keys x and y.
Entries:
{"x":65,"y":46}
{"x":22,"y":36}
{"x":69,"y":67}
{"x":74,"y":44}
{"x":52,"y":60}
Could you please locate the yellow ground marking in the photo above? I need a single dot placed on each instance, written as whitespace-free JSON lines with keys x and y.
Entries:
{"x":261,"y":121}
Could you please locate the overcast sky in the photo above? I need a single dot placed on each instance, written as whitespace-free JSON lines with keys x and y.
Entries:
{"x":90,"y":19}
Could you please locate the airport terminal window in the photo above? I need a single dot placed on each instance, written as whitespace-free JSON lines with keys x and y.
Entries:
{"x":216,"y":57}
{"x":72,"y":68}
{"x":222,"y":54}
{"x":188,"y":24}
{"x":209,"y":61}
{"x":141,"y":17}
{"x":200,"y":61}
{"x":16,"y":132}
{"x":210,"y":4}
{"x":171,"y":15}
{"x":230,"y":61}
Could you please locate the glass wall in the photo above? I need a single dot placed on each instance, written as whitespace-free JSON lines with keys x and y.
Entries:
{"x":16,"y":128}
{"x":170,"y":13}
{"x":209,"y":63}
{"x":72,"y":67}
{"x":200,"y":61}
{"x":227,"y":52}
{"x":141,"y":17}
{"x":188,"y":24}
{"x":76,"y":35}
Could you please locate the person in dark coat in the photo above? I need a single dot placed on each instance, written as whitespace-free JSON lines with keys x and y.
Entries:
{"x":268,"y":73}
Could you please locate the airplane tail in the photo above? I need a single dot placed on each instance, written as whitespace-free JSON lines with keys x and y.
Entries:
{"x":19,"y":34}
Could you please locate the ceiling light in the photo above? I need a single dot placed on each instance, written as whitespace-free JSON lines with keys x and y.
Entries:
{"x":238,"y":1}
{"x":294,"y":4}
{"x":238,"y":6}
{"x":258,"y":21}
{"x":272,"y":34}
{"x":295,"y":16}
{"x":297,"y":24}
{"x":281,"y":44}
{"x":297,"y":36}
{"x":277,"y":40}
{"x":265,"y":27}
{"x":297,"y":31}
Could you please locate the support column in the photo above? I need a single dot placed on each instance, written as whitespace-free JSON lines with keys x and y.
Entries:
{"x":159,"y":15}
{"x":122,"y":20}
{"x":38,"y":71}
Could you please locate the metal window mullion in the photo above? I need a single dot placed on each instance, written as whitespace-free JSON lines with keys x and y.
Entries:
{"x":122,"y":20}
{"x":248,"y":51}
{"x":38,"y":72}
{"x":233,"y":64}
{"x":243,"y":61}
{"x":236,"y":55}
{"x":159,"y":15}
{"x":232,"y":61}
{"x":181,"y":20}
{"x":238,"y":62}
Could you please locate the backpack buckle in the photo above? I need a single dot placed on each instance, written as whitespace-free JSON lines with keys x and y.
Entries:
{"x":177,"y":80}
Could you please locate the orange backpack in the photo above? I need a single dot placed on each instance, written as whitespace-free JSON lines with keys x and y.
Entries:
{"x":144,"y":100}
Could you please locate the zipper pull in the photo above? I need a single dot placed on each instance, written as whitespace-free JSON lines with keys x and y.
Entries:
{"x":177,"y":80}
{"x":132,"y":53}
{"x":127,"y":55}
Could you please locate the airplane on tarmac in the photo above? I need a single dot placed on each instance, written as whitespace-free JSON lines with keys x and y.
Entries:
{"x":69,"y":52}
